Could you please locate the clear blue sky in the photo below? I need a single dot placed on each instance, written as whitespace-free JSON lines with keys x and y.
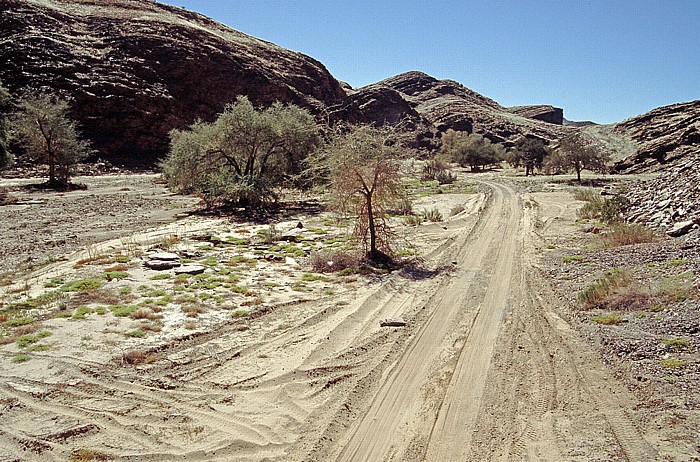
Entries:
{"x":600,"y":60}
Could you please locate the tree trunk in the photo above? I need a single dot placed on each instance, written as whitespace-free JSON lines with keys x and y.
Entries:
{"x":372,"y":232}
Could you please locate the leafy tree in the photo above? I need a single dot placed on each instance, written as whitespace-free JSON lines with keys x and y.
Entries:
{"x":48,"y":136}
{"x":365,"y":181}
{"x":472,"y":150}
{"x":529,"y":153}
{"x":6,"y":157}
{"x":243,"y":155}
{"x":578,"y":152}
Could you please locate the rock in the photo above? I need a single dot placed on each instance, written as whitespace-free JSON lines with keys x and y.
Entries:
{"x":138,"y":69}
{"x":546,"y":113}
{"x":290,"y":261}
{"x":681,"y":228}
{"x":665,"y":138}
{"x":167,"y":256}
{"x":161,"y":265}
{"x":190,"y":269}
{"x":392,"y":322}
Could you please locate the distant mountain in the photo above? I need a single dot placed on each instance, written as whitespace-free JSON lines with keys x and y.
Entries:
{"x":435,"y":105}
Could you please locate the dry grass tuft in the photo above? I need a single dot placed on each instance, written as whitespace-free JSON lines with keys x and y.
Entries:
{"x":627,"y":234}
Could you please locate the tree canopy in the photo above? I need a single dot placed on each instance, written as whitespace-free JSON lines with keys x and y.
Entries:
{"x":48,"y":136}
{"x":578,"y":152}
{"x":529,"y":153}
{"x":472,"y":150}
{"x":365,"y":182}
{"x":243,"y":155}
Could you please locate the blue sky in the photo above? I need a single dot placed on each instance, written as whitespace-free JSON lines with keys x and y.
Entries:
{"x":600,"y":60}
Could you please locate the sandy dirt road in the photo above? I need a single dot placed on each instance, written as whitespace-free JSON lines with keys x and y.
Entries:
{"x":487,"y":368}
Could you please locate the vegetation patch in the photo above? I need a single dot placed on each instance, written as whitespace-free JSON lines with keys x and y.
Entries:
{"x":82,"y":285}
{"x":607,"y":319}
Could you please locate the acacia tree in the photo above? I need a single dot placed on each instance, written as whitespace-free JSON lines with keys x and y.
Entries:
{"x":48,"y":136}
{"x":6,"y":157}
{"x":240,"y":157}
{"x":578,"y":152}
{"x":471,"y":150}
{"x":365,"y":180}
{"x":529,"y":153}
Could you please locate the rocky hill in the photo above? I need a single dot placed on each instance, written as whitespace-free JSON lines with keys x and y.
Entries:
{"x":665,"y":137}
{"x":137,"y":68}
{"x":436,"y":105}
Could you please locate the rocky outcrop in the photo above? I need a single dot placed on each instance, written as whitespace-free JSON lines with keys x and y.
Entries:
{"x":444,"y":104}
{"x":671,"y":201}
{"x":666,"y":137}
{"x":545,"y":113}
{"x":137,"y":69}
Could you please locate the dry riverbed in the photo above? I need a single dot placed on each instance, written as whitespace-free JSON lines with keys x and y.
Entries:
{"x":260,"y":357}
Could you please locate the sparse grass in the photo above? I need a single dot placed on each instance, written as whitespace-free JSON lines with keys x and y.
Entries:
{"x":413,"y":220}
{"x":676,"y":344}
{"x":596,"y":293}
{"x":16,"y":322}
{"x":607,"y":319}
{"x":432,"y":215}
{"x":240,"y":313}
{"x":672,"y":363}
{"x":82,"y":285}
{"x":160,"y":277}
{"x":89,"y":455}
{"x":138,"y":333}
{"x":115,"y":275}
{"x":627,"y":234}
{"x":30,"y":339}
{"x":21,"y":358}
{"x":122,"y":311}
{"x":572,"y":258}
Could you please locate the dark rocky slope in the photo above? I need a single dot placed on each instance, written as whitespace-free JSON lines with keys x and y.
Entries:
{"x":137,"y":68}
{"x":665,"y":136}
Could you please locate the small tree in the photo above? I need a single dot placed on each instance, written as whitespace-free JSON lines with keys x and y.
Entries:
{"x":529,"y":153}
{"x":48,"y":136}
{"x":472,"y":150}
{"x":240,"y":157}
{"x":365,"y":180}
{"x":578,"y":152}
{"x":6,"y":157}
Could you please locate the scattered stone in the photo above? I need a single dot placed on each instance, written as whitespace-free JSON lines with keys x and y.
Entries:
{"x":290,"y":261}
{"x":392,"y":322}
{"x":681,"y":228}
{"x":165,"y":256}
{"x":190,"y":269}
{"x":161,"y":265}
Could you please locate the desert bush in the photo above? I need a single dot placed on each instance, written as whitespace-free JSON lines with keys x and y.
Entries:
{"x":135,"y":357}
{"x":607,"y":319}
{"x":241,"y":157}
{"x":627,"y":234}
{"x":433,"y":215}
{"x":331,"y":261}
{"x":599,"y":290}
{"x":413,"y":220}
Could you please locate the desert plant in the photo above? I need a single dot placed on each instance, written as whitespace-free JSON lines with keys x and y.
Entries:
{"x":366,"y":183}
{"x":672,"y":363}
{"x":529,"y":153}
{"x":627,"y":234}
{"x":413,"y":220}
{"x":607,"y":319}
{"x":596,"y":292}
{"x":433,"y":215}
{"x":48,"y":136}
{"x":332,"y":261}
{"x":676,"y":344}
{"x":579,"y":151}
{"x":471,"y":150}
{"x":243,"y":155}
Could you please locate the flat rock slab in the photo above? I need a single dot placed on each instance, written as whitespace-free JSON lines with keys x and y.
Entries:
{"x":164,"y":256}
{"x":681,"y":228}
{"x":392,"y":322}
{"x":160,"y":265}
{"x":190,"y":269}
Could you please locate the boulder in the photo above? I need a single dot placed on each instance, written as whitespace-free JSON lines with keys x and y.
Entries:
{"x":681,"y":228}
{"x":161,"y":265}
{"x":190,"y":269}
{"x":166,"y":256}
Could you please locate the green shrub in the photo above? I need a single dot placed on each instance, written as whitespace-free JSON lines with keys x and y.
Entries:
{"x":433,"y":215}
{"x":672,"y":363}
{"x":82,"y":285}
{"x":596,"y":293}
{"x":607,"y":319}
